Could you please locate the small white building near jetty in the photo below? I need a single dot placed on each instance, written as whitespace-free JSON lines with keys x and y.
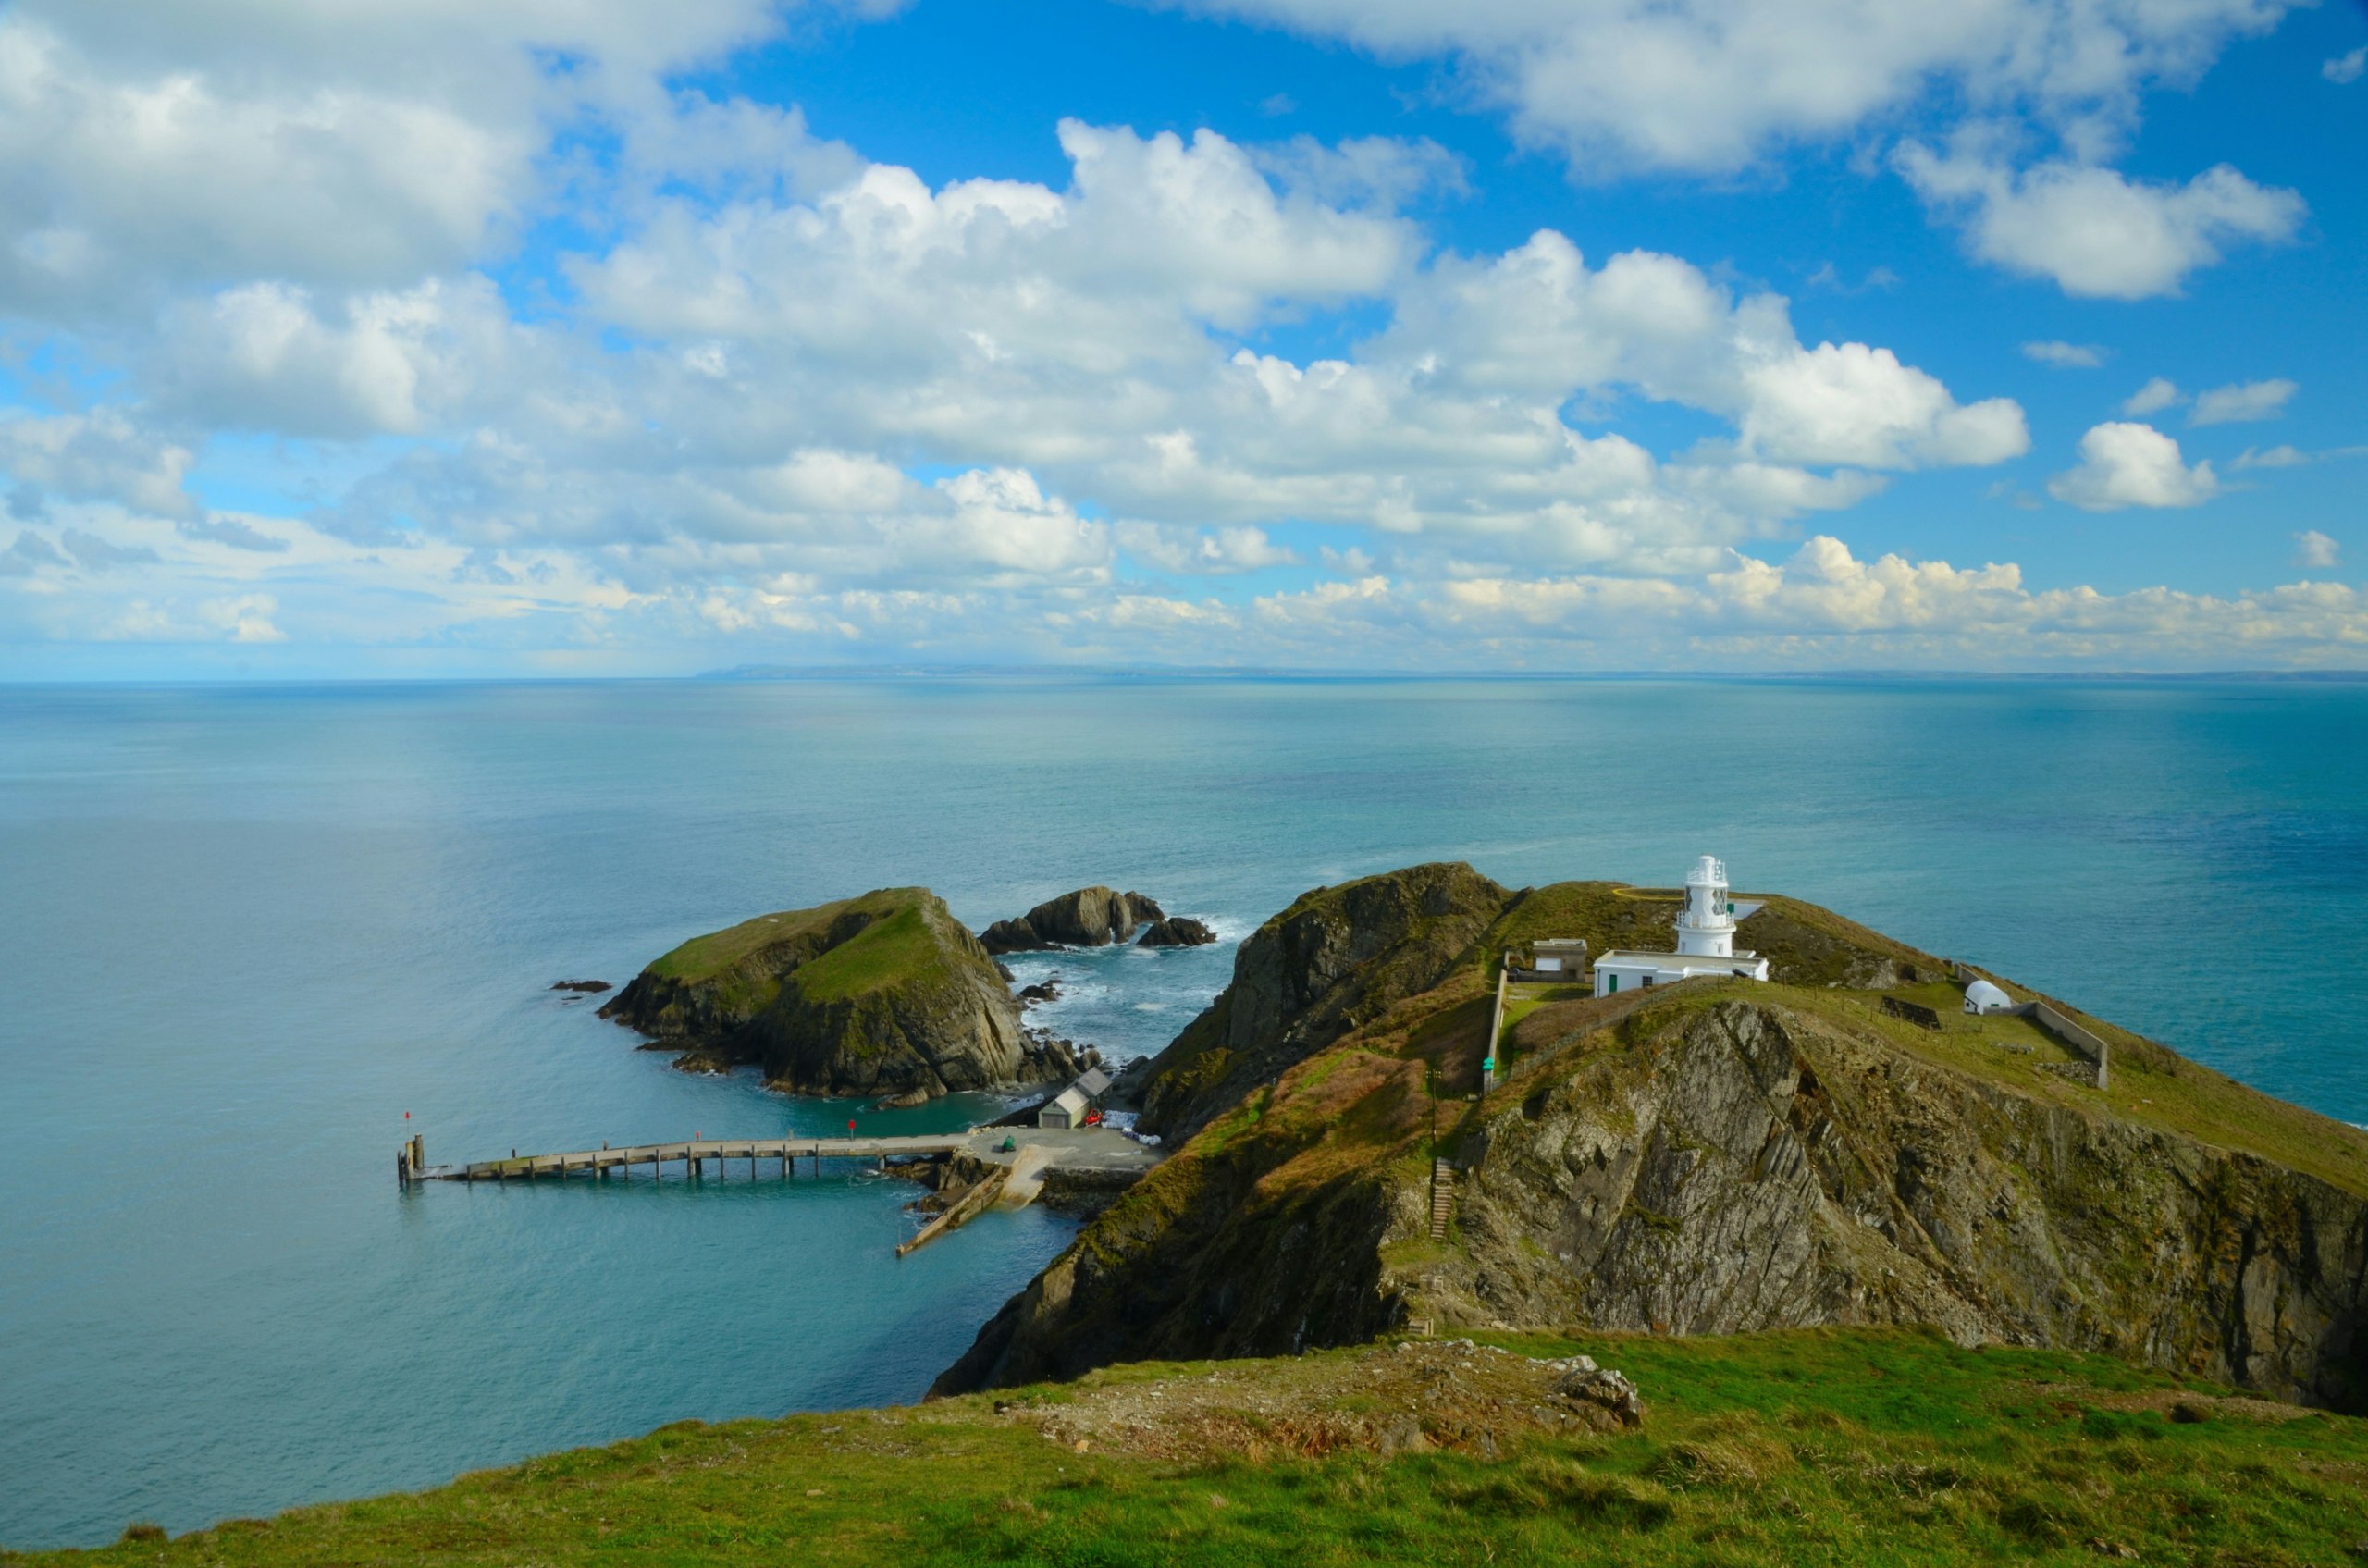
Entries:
{"x":1706,"y":941}
{"x":1072,"y":1106}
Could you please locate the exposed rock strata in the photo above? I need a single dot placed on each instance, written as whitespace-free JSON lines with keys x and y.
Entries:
{"x":1091,"y":916}
{"x":883,"y":994}
{"x":1751,"y":1167}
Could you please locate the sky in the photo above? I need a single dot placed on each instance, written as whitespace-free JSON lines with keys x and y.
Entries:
{"x":549,"y":338}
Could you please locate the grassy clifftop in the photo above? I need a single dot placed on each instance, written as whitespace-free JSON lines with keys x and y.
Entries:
{"x":883,"y":993}
{"x":838,"y":950}
{"x":1858,"y":1446}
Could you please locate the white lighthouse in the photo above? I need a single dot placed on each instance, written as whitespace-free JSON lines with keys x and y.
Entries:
{"x":1705,"y":927}
{"x":1705,"y":940}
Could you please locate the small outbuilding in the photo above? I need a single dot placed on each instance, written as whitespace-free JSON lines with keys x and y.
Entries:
{"x":1983,"y":997}
{"x":1070,"y":1107}
{"x":1559,"y":955}
{"x":1067,"y":1108}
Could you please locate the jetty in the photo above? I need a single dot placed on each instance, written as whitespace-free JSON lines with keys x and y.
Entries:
{"x":1001,"y":1166}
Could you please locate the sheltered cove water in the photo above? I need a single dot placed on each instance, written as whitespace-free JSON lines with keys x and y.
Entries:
{"x":253,"y":927}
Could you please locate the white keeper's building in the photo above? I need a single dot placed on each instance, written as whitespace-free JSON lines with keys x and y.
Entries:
{"x":1706,"y":941}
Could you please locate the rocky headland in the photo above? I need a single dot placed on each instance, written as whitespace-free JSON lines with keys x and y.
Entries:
{"x":1705,"y":1158}
{"x":884,"y":994}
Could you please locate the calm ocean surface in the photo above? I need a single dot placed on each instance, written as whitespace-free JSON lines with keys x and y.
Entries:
{"x":242,"y":930}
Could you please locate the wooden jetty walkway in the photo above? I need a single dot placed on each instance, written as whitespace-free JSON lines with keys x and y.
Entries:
{"x":1017,"y":1162}
{"x":693,"y":1157}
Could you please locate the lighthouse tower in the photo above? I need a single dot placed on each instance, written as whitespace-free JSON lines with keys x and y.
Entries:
{"x":1705,"y":927}
{"x":1705,"y":942}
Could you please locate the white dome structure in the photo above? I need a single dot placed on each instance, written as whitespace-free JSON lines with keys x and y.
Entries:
{"x":1983,"y":997}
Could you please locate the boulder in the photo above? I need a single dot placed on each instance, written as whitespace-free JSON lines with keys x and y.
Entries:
{"x":1091,"y":916}
{"x":1176,"y":931}
{"x":883,"y":994}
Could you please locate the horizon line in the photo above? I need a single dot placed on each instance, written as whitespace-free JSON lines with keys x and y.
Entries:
{"x":755,"y":673}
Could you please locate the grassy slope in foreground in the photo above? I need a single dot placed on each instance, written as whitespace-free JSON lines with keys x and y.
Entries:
{"x":1859,"y":1446}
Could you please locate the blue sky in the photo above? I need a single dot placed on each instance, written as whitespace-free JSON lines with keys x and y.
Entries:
{"x":492,"y":338}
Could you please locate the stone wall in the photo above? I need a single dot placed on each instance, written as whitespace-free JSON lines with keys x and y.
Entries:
{"x":2088,"y":1043}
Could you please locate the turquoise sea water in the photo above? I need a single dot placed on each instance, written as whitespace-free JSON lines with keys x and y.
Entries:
{"x":243,"y":930}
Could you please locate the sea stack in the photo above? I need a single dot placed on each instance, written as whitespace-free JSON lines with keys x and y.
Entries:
{"x":1176,"y":931}
{"x":1091,"y":916}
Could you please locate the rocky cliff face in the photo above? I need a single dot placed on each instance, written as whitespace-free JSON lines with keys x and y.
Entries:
{"x":1746,"y":1165}
{"x":1091,"y":916}
{"x":1335,"y":957}
{"x":885,"y":993}
{"x":1196,"y":1261}
{"x":1715,"y":1157}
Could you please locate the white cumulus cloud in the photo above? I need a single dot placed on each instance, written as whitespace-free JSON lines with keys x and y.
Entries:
{"x":1714,"y":84}
{"x":2158,"y":394}
{"x":2316,"y":550}
{"x":2241,"y":402}
{"x":2093,"y":230}
{"x":1201,"y":552}
{"x":2125,"y":465}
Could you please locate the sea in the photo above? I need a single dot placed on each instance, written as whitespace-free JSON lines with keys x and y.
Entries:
{"x":253,"y":936}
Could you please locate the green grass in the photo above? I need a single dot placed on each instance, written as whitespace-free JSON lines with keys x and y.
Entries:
{"x":893,"y":935}
{"x":2148,"y":1084}
{"x":1522,"y":1000}
{"x":898,"y":948}
{"x":1833,"y":1445}
{"x":704,"y":958}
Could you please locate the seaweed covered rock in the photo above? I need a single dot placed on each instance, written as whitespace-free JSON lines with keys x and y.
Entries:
{"x":882,"y":994}
{"x":1304,"y":979}
{"x":1091,"y":916}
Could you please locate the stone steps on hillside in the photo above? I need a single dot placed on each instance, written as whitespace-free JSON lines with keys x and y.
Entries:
{"x":1442,"y":1198}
